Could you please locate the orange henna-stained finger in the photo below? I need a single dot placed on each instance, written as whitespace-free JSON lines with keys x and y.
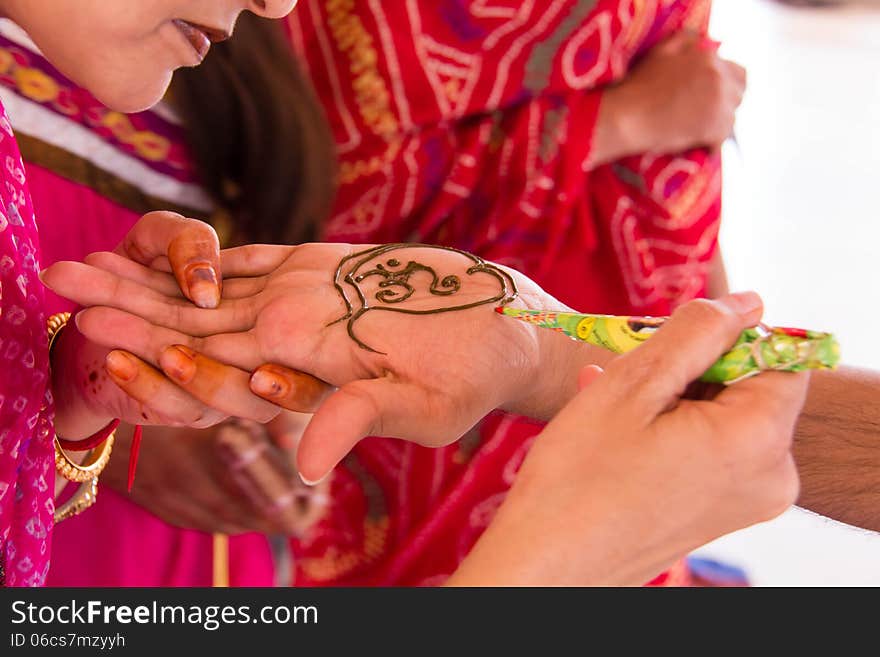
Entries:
{"x":289,"y":389}
{"x":161,"y":400}
{"x":191,"y":247}
{"x":217,"y":385}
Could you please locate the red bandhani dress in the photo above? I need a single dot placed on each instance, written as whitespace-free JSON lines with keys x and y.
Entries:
{"x":469,"y":123}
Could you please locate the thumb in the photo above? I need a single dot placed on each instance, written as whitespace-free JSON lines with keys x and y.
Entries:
{"x":191,"y":247}
{"x":375,"y":407}
{"x":678,"y":42}
{"x":347,"y":416}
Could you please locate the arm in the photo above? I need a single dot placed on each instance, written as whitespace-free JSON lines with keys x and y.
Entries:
{"x":681,"y":96}
{"x":837,"y":447}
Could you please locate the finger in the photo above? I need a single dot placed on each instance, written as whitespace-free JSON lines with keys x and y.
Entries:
{"x":377,"y":407}
{"x":658,"y":372}
{"x":163,"y":282}
{"x":240,"y":288}
{"x":778,"y":396}
{"x":216,"y":385}
{"x":159,"y":282}
{"x":588,"y":375}
{"x":254,"y":259}
{"x":90,"y":286}
{"x":289,"y":389}
{"x":117,"y":329}
{"x":162,"y":401}
{"x":191,"y":246}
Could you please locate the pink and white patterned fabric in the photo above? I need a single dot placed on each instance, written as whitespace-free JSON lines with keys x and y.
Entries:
{"x":26,"y":451}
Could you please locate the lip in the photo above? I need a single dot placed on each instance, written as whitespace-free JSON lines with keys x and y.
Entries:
{"x":199,"y":36}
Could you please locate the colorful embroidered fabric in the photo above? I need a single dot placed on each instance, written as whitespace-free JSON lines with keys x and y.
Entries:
{"x":88,"y":188}
{"x":26,"y":463}
{"x":468,"y":123}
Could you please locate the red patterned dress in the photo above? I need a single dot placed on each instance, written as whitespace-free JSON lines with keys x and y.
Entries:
{"x":469,"y":123}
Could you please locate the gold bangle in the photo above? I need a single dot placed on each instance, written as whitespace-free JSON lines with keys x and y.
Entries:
{"x":94,"y":464}
{"x":81,"y":500}
{"x":54,"y":324}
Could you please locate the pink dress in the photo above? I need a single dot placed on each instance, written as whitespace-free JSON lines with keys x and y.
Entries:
{"x":92,"y":173}
{"x":26,"y":464}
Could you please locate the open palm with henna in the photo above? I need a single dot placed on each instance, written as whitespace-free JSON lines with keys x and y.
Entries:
{"x":406,"y":332}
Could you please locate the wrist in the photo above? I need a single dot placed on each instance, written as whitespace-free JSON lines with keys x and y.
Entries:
{"x":553,"y":380}
{"x":78,"y":415}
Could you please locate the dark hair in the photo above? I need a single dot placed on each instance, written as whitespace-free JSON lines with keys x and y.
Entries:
{"x":258,"y":135}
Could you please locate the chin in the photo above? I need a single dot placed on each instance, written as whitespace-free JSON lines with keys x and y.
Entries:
{"x":130,"y":98}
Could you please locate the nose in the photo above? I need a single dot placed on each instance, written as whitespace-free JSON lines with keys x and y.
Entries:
{"x":271,"y":8}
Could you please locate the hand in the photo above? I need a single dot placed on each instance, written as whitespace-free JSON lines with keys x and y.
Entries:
{"x":427,"y":378}
{"x":91,"y":387}
{"x":681,"y":96}
{"x":631,"y":475}
{"x":231,"y":479}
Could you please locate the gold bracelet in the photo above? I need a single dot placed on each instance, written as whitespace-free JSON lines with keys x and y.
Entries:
{"x":81,"y":500}
{"x":55,"y":323}
{"x":94,"y":464}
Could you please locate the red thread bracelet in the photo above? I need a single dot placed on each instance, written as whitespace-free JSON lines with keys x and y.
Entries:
{"x":91,"y":442}
{"x":99,"y":437}
{"x":133,"y":454}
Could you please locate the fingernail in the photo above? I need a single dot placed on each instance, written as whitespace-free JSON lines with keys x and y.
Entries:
{"x":312,"y":482}
{"x":120,"y":366}
{"x":743,"y":303}
{"x":203,"y":288}
{"x":178,"y":363}
{"x":266,"y":384}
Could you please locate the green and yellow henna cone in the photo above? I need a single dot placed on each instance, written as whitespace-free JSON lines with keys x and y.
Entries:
{"x":758,"y":349}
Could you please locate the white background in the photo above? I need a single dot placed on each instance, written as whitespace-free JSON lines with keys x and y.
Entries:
{"x":802,"y":226}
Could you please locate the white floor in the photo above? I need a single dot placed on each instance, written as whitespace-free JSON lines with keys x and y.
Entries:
{"x":802,"y":226}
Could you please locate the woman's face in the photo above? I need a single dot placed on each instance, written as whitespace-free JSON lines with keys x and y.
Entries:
{"x":125,"y":51}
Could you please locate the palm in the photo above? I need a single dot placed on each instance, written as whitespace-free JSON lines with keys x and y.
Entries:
{"x":452,"y":364}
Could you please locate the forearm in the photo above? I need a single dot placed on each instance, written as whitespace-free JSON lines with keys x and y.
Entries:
{"x":837,"y":447}
{"x":551,"y":379}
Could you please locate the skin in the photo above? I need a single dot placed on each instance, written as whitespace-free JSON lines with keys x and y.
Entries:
{"x":126,"y":52}
{"x":393,"y":394}
{"x":630,"y":476}
{"x":666,"y":473}
{"x":124,"y":57}
{"x":623,"y":128}
{"x":682,"y":95}
{"x":430,"y":379}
